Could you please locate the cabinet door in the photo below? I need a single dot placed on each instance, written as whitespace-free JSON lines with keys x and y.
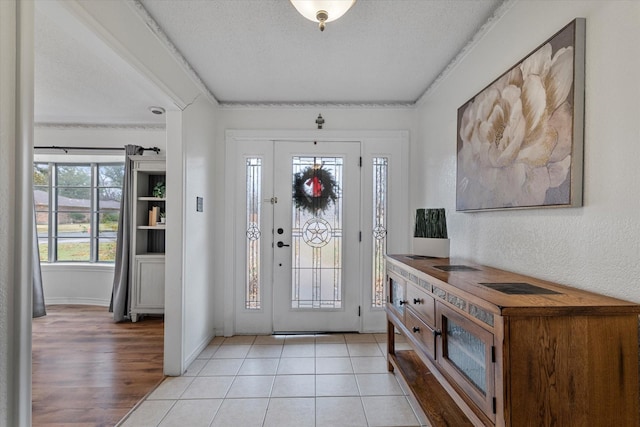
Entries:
{"x":397,"y":298}
{"x":466,"y":354}
{"x":149,"y":283}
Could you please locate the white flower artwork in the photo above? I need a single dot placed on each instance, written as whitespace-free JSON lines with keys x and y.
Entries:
{"x":517,"y":141}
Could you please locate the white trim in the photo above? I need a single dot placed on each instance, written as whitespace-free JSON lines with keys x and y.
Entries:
{"x":83,"y":266}
{"x":77,"y":301}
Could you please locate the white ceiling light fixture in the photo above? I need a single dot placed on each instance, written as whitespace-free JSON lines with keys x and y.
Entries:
{"x":322,"y":11}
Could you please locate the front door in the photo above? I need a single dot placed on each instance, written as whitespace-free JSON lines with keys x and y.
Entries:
{"x":316,"y":258}
{"x":308,"y":224}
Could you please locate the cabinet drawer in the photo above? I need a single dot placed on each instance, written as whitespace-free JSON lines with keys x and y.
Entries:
{"x":423,"y":304}
{"x":422,"y":332}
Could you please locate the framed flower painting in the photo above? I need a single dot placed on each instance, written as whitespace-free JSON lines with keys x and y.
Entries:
{"x":520,"y":140}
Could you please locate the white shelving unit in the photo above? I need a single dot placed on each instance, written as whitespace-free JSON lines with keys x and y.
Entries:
{"x":148,"y":241}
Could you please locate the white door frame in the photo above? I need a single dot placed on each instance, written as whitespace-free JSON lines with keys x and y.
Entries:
{"x":373,"y":143}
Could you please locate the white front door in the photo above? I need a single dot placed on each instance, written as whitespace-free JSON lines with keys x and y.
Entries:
{"x":316,"y":222}
{"x":334,"y":218}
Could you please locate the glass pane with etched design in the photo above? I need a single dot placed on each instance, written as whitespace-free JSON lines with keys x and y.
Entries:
{"x":317,"y":233}
{"x":467,"y":352}
{"x":254,"y":200}
{"x":379,"y":235}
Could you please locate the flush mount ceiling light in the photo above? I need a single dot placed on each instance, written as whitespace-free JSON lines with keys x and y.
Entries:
{"x":157,"y":110}
{"x":322,"y":11}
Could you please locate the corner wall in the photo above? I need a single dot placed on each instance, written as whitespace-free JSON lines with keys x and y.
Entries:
{"x":595,"y":247}
{"x":190,"y":276}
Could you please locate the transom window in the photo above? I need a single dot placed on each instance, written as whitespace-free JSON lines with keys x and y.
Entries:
{"x":77,"y":210}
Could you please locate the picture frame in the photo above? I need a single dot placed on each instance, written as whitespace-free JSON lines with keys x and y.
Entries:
{"x":520,"y":140}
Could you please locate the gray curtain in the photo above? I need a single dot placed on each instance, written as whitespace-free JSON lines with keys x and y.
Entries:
{"x":120,"y":293}
{"x":38,"y":309}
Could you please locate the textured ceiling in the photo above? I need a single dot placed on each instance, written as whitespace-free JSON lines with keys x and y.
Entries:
{"x":259,"y":51}
{"x":79,"y":80}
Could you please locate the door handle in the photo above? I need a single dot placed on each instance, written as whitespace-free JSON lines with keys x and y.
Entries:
{"x":280,"y":244}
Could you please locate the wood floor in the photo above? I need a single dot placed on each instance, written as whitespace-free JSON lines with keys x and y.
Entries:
{"x":90,"y":371}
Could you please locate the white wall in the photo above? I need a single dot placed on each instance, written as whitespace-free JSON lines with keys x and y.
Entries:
{"x":595,"y":247}
{"x":84,"y":283}
{"x":190,"y":274}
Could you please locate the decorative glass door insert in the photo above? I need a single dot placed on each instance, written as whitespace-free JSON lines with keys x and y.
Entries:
{"x":316,"y":231}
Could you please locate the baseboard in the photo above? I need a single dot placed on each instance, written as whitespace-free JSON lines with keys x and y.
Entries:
{"x":77,"y":301}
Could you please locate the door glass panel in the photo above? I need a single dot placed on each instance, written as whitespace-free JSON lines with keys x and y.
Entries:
{"x":254,"y":199}
{"x":380,"y":166}
{"x":467,"y":353}
{"x":317,"y":233}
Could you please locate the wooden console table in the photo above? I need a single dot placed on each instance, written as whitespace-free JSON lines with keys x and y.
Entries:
{"x":493,"y":348}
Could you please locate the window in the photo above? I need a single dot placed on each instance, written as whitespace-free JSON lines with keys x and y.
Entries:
{"x":380,"y":172}
{"x":77,"y":210}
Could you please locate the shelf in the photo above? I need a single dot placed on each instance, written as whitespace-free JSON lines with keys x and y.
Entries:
{"x":436,"y":403}
{"x":152,"y":199}
{"x":152,"y":227}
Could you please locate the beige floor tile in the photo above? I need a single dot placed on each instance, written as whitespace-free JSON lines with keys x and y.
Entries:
{"x":300,"y":339}
{"x":369,"y":365}
{"x":195,"y":367}
{"x":297,"y":365}
{"x":259,"y":367}
{"x":239,"y":339}
{"x":330,"y":338}
{"x":381,"y":338}
{"x":171,"y":388}
{"x":340,"y":411}
{"x":378,"y":385}
{"x":264,"y":351}
{"x":389,"y":411}
{"x":269,"y":340}
{"x":331,"y":350}
{"x":251,"y":386}
{"x":208,"y":388}
{"x":336,"y":385}
{"x":402,"y":346}
{"x":294,"y":386}
{"x":208,"y":352}
{"x":221,"y":367}
{"x":364,"y":349}
{"x":232,"y":351}
{"x":217,"y":341}
{"x":291,"y":412}
{"x":333,"y":365}
{"x":192,"y":413}
{"x":241,"y":413}
{"x":367,"y":338}
{"x":299,"y":350}
{"x":149,"y":413}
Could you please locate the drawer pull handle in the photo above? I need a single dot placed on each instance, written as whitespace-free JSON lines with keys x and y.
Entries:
{"x":402,"y":302}
{"x":437,"y":332}
{"x":417,"y":301}
{"x":416,"y":329}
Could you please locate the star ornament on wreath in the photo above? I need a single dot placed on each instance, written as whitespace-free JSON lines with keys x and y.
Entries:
{"x":314,"y":189}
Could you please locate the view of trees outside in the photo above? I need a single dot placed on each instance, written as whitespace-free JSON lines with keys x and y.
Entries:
{"x":77,"y":210}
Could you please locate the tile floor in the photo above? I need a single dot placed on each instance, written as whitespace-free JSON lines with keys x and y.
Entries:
{"x":293,"y":380}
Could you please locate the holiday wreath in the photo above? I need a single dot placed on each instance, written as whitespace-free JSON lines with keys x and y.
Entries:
{"x":314,"y":189}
